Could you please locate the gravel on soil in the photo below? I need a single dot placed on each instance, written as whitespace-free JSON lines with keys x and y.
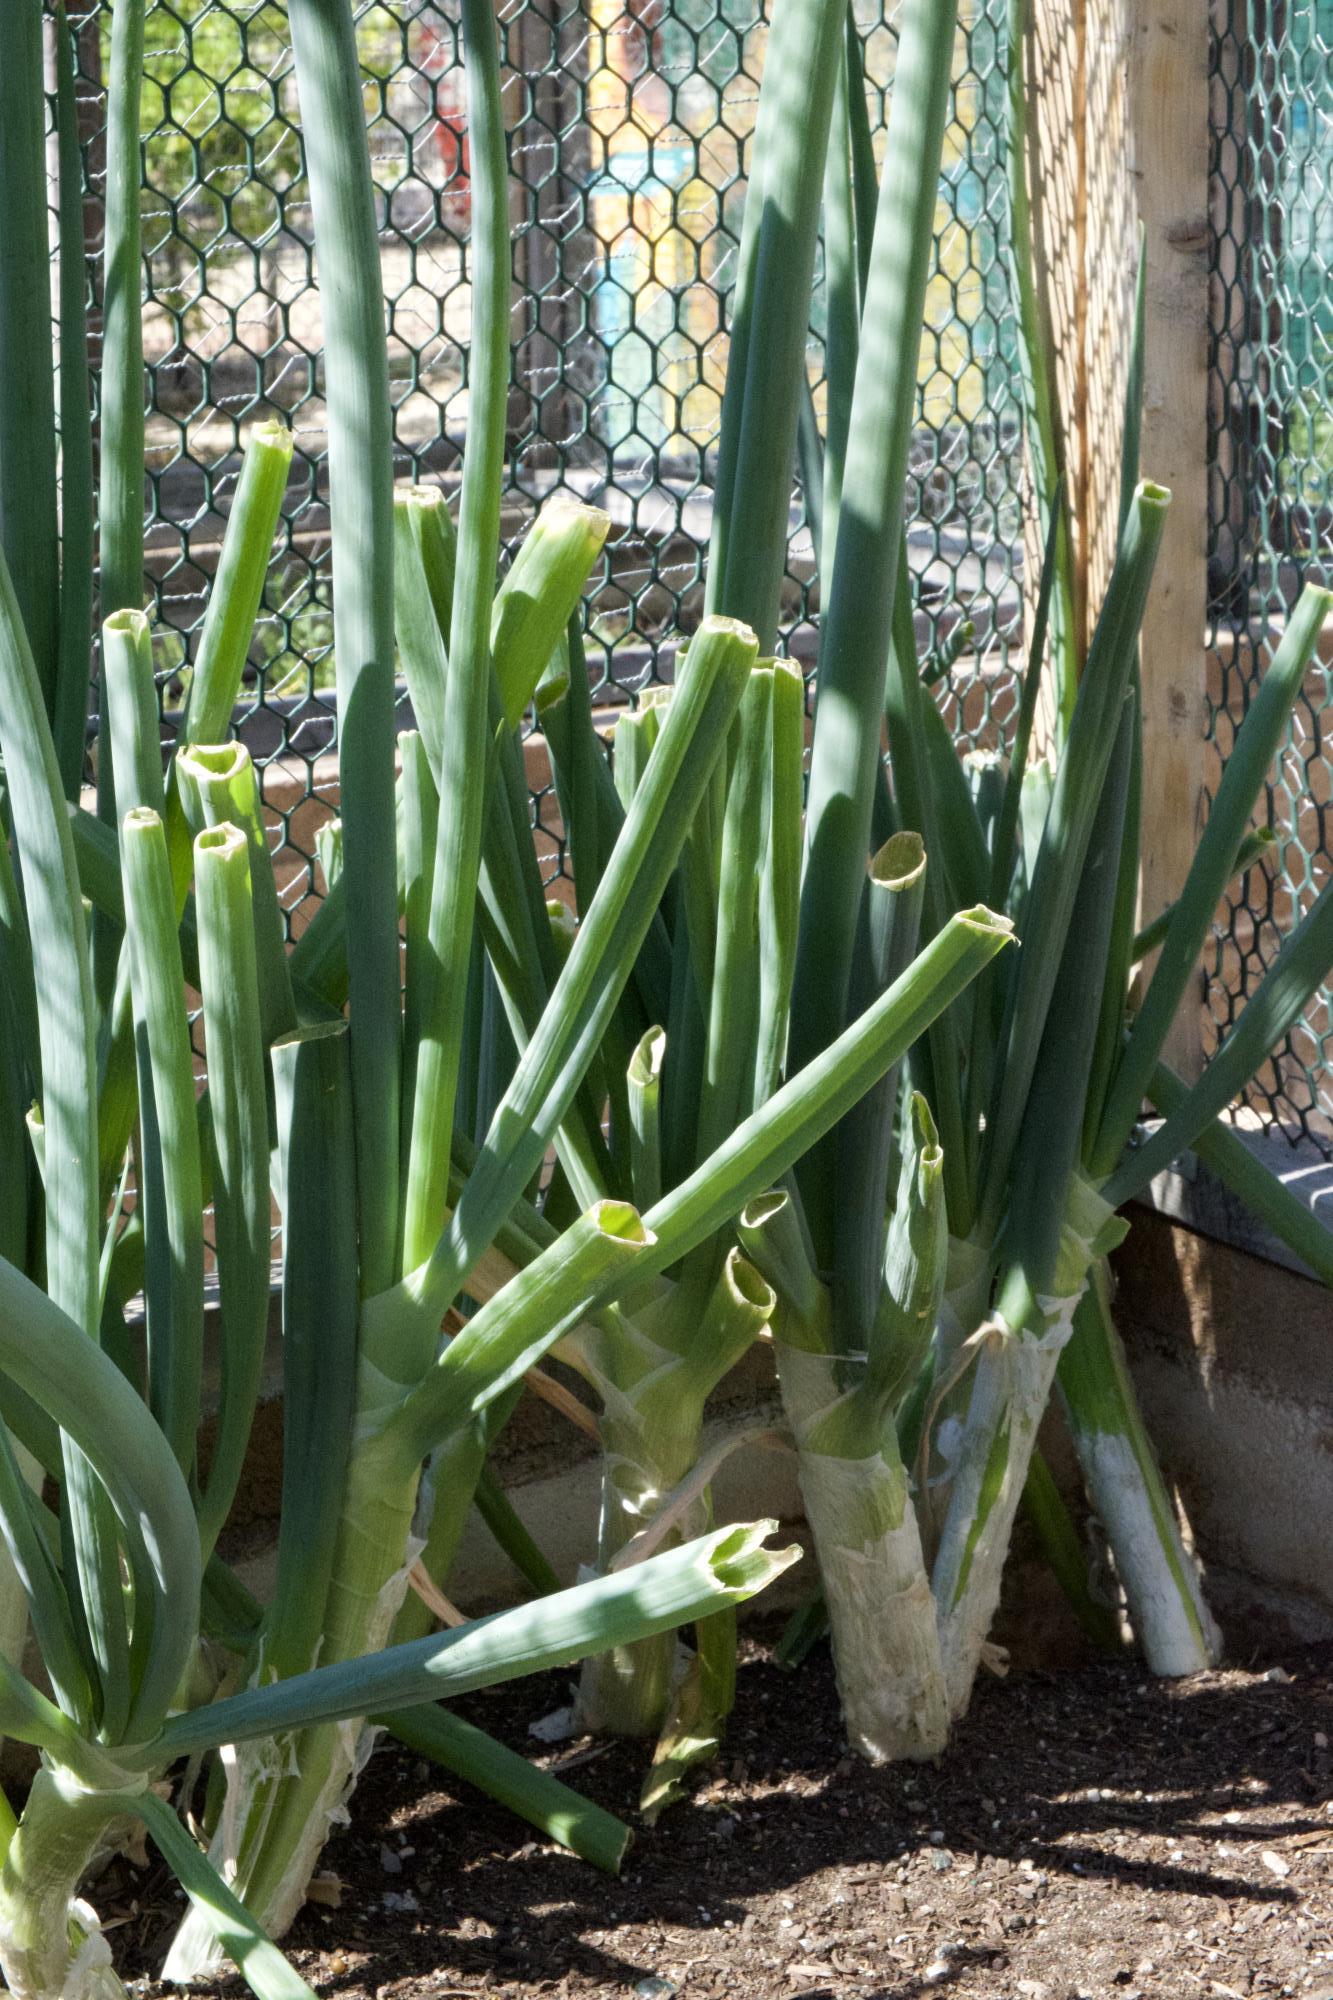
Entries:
{"x":1091,"y":1835}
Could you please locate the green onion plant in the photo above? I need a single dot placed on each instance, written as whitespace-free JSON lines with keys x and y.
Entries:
{"x":942,"y":1255}
{"x":46,"y":537}
{"x":419,"y":1283}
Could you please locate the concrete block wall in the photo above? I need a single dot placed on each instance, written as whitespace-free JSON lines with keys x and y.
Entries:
{"x":1233,"y":1358}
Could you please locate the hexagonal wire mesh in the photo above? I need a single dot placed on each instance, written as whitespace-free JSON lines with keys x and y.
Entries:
{"x":1271,"y":486}
{"x":629,"y":120}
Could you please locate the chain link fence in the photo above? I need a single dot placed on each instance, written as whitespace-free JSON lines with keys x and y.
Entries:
{"x":1271,"y":502}
{"x":629,"y":121}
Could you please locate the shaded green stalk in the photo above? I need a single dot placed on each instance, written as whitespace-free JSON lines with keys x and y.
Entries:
{"x":70,"y":720}
{"x":468,"y":1753}
{"x":361,"y":507}
{"x":62,"y":982}
{"x":1255,"y":747}
{"x":1256,"y":847}
{"x":1070,"y":818}
{"x":1269,"y":1014}
{"x":312,"y":1084}
{"x":770,"y":321}
{"x":28,"y":528}
{"x":1224,"y":1152}
{"x":122,"y":376}
{"x":1036,"y":351}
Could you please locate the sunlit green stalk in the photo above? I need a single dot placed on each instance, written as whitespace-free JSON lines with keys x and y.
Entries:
{"x":854,"y":1485}
{"x":466,"y":693}
{"x":238,"y":1126}
{"x":238,"y":586}
{"x":861,"y":593}
{"x":1125,"y":1485}
{"x":170,"y":1184}
{"x":721,"y":656}
{"x":218,"y":786}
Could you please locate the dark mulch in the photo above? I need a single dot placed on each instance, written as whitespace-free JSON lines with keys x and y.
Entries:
{"x":1089,"y":1833}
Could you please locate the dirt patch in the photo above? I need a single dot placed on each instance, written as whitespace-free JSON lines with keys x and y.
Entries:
{"x":1089,"y":1834}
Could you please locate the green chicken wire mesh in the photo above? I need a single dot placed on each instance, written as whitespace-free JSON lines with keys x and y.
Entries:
{"x":629,"y":121}
{"x":1271,"y":474}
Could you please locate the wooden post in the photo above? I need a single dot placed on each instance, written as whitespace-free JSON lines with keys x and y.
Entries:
{"x":1085,"y":235}
{"x":1168,"y":96}
{"x":1120,"y":123}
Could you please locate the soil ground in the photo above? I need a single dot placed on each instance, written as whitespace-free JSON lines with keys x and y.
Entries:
{"x":1090,"y":1833}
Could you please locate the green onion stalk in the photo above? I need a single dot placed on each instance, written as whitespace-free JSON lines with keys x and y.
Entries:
{"x":854,"y":1244}
{"x":1053,"y":1062}
{"x":1045,"y":434}
{"x":1034,"y":1079}
{"x":717,"y":969}
{"x":1124,"y":1481}
{"x":120,"y":1575}
{"x":370,"y":1396}
{"x":1159,"y":1576}
{"x":696,"y":1047}
{"x":46,"y":508}
{"x":122,"y":1580}
{"x":703,"y":1038}
{"x":852,"y":1296}
{"x":722,"y":1046}
{"x":1057,"y":1161}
